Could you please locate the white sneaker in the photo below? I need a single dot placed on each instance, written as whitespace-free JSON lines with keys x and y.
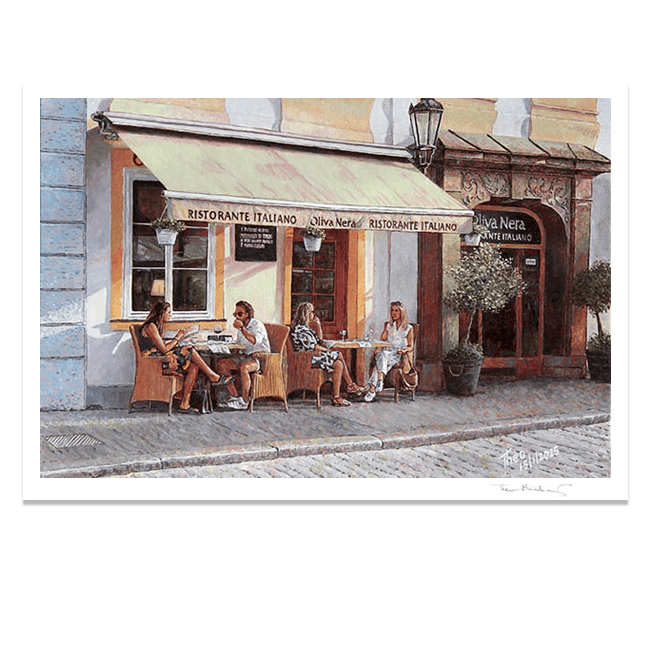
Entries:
{"x":239,"y":404}
{"x":369,"y":396}
{"x":235,"y":403}
{"x":380,"y":386}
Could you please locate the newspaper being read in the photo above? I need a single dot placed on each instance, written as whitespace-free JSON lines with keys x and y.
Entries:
{"x":190,"y":332}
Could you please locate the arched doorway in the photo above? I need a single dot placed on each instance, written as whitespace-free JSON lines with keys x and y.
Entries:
{"x":516,"y":339}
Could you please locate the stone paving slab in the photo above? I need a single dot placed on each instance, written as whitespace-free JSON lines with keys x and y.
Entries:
{"x":152,"y":439}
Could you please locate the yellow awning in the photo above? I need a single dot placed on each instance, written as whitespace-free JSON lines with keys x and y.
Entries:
{"x":225,"y":180}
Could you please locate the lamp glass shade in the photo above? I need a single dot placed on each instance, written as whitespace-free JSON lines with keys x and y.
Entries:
{"x":158,"y":288}
{"x":426,"y":117}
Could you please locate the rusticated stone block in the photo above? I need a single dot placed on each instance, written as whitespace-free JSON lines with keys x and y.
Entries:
{"x":62,"y":238}
{"x":58,"y":135}
{"x":62,"y":306}
{"x":61,"y":169}
{"x":62,"y":341}
{"x":62,"y":273}
{"x":68,"y":108}
{"x":62,"y":384}
{"x":62,"y":204}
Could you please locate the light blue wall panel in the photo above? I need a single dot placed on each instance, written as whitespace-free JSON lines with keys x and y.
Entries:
{"x":63,"y":136}
{"x":61,"y":169}
{"x":62,"y":273}
{"x":62,"y":341}
{"x":62,"y":306}
{"x":62,"y":204}
{"x":62,"y":384}
{"x":62,"y":238}
{"x":64,"y":108}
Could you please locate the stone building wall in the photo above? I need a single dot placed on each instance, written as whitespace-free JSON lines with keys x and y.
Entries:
{"x":63,"y":254}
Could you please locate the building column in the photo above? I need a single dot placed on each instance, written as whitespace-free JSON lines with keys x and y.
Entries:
{"x":63,"y":254}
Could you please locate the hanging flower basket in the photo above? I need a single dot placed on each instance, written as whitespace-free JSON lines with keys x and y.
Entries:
{"x":167,"y":230}
{"x":312,"y":238}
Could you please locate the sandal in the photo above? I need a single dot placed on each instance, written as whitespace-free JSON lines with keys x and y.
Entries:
{"x":223,"y":380}
{"x":190,"y":410}
{"x":339,"y":401}
{"x":354,"y":389}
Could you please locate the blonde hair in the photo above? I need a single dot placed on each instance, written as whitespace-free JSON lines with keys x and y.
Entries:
{"x":301,"y":314}
{"x":404,"y":317}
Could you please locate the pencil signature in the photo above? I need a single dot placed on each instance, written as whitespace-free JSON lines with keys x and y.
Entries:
{"x":526,"y":487}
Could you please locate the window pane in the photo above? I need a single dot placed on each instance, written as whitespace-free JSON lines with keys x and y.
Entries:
{"x":190,"y":290}
{"x":530,"y":303}
{"x":324,"y":282}
{"x":191,"y":249}
{"x":146,"y":249}
{"x":301,"y":258}
{"x":324,"y":309}
{"x":301,"y":281}
{"x":500,"y":332}
{"x":324,"y":259}
{"x":141,"y":299}
{"x":148,"y":201}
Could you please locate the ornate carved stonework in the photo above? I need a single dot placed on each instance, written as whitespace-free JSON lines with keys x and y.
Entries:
{"x":478,"y":187}
{"x":552,"y":191}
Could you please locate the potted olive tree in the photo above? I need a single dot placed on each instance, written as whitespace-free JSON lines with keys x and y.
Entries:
{"x":484,"y":281}
{"x":167,"y":230}
{"x":592,"y":288}
{"x":312,"y":237}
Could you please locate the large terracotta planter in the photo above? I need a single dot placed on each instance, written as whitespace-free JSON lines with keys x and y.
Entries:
{"x":461,"y":377}
{"x":599,"y":364}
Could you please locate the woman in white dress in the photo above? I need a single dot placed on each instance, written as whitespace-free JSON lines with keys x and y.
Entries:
{"x":399,"y":333}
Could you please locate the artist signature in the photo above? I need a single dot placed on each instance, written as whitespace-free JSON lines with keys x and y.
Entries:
{"x":526,"y":487}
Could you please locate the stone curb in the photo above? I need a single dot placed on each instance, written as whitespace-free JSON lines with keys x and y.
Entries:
{"x":315,"y":446}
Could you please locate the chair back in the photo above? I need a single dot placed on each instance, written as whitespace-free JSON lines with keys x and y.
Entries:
{"x":136,"y":343}
{"x":272,"y":381}
{"x":278,"y":335}
{"x":416,"y":331}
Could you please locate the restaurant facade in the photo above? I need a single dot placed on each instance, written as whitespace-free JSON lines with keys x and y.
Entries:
{"x":246,"y":176}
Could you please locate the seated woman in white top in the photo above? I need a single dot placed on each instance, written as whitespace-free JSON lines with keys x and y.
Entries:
{"x":399,"y":333}
{"x":252,"y":334}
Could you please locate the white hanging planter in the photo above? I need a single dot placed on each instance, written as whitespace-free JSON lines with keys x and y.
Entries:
{"x":166,"y":237}
{"x":473,"y":239}
{"x":312,"y":244}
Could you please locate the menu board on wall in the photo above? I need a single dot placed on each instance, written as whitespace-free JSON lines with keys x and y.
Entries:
{"x":255,"y":243}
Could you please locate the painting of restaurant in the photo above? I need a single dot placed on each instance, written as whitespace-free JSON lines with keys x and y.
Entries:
{"x":247,"y":178}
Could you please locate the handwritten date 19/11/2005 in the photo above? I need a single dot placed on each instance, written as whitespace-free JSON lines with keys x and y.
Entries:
{"x":526,"y":460}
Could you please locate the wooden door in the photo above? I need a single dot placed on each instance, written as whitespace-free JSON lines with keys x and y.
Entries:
{"x":321,"y":278}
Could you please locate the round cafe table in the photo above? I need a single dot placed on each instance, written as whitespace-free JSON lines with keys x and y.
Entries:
{"x":358,"y":360}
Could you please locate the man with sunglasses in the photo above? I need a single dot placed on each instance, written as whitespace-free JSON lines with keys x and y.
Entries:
{"x":252,"y":334}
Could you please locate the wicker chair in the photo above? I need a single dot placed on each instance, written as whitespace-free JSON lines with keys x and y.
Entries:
{"x":303,"y":376}
{"x":153,"y":382}
{"x":401,"y":381}
{"x":272,"y":381}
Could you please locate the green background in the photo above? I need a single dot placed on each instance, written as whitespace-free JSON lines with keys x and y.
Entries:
{"x":401,"y":575}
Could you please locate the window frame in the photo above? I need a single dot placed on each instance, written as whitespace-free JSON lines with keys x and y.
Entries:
{"x":131,"y":175}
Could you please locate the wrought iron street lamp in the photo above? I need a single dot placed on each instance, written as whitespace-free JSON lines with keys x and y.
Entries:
{"x":426,"y":117}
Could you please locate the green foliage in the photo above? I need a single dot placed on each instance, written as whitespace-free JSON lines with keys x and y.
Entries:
{"x":168,"y":224}
{"x":465,"y":352}
{"x":484,"y":280}
{"x":313,"y":231}
{"x":592,"y":288}
{"x":600,"y":343}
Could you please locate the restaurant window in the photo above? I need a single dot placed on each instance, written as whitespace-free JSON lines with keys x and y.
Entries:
{"x":188,"y":268}
{"x":320,"y":278}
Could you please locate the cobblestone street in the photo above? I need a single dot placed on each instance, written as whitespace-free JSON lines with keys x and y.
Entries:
{"x":576,"y":452}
